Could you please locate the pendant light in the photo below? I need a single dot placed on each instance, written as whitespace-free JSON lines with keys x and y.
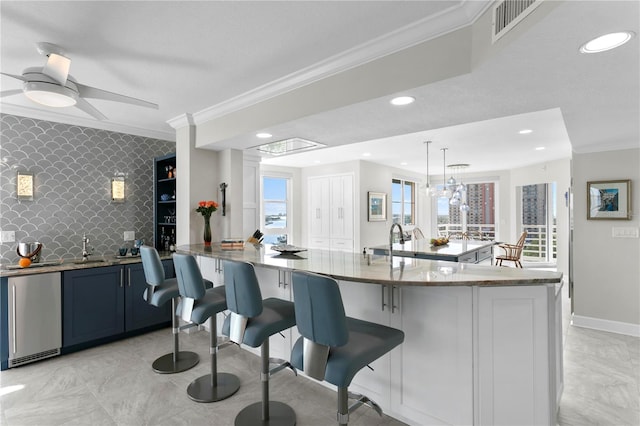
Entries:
{"x":445,"y":190}
{"x":428,"y":189}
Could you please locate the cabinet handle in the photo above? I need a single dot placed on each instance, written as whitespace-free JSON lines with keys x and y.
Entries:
{"x":14,"y":318}
{"x":284,"y":280}
{"x":129,"y":276}
{"x":393,"y":299}
{"x":382,"y":287}
{"x":317,"y":213}
{"x":121,"y":278}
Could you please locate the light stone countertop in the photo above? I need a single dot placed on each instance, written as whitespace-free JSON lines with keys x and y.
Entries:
{"x":377,"y":269}
{"x":69,"y":265}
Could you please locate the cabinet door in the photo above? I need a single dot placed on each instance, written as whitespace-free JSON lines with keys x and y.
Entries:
{"x":341,"y":207}
{"x":138,"y":313}
{"x":432,"y":370}
{"x":364,"y":301}
{"x":93,"y":304}
{"x":319,"y":207}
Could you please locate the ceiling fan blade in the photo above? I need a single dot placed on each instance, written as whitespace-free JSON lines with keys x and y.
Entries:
{"x":92,"y":92}
{"x":10,"y":92}
{"x":17,"y":77}
{"x":57,"y":67}
{"x":90,"y":109}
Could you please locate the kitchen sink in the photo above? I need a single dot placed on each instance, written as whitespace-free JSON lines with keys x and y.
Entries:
{"x":88,"y":261}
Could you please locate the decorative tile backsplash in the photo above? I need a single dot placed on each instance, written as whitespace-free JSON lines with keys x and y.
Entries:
{"x":72,"y":168}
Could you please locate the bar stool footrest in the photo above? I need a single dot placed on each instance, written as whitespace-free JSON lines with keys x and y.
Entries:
{"x":280,"y":414}
{"x":166,"y":365}
{"x":200,"y":390}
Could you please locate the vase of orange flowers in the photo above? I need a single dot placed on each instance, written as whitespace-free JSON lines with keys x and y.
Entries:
{"x":206,"y":208}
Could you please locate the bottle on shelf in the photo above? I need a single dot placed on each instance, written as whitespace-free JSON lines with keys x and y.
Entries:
{"x":172,"y":241}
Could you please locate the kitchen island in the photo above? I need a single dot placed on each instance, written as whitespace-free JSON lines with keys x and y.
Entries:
{"x":467,"y":251}
{"x":482,"y":344}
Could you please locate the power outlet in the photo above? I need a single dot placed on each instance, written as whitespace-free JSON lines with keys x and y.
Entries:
{"x":627,"y":232}
{"x":129,"y":235}
{"x":7,"y":237}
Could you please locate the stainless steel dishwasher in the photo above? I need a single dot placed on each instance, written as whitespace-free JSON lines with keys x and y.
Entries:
{"x":35,"y":317}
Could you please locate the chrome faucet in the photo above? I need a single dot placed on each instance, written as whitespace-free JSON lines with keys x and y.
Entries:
{"x":85,"y":249}
{"x":391,"y":238}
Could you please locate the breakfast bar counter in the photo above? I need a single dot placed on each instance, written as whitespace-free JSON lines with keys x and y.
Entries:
{"x":483,"y":344}
{"x":377,"y":269}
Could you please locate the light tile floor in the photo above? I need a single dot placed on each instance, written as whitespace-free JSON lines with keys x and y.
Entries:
{"x":114,"y":385}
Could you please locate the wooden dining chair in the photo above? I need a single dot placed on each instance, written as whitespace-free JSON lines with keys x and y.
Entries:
{"x":417,"y":234}
{"x":512,"y":252}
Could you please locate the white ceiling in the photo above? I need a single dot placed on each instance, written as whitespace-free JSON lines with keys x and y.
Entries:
{"x":194,"y":57}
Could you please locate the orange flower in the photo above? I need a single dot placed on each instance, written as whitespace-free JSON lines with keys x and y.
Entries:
{"x":206,"y":208}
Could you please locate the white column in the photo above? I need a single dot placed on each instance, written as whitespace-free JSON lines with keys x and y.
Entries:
{"x":196,"y":180}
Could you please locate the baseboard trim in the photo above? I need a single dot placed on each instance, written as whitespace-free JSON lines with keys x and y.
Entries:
{"x":606,"y":325}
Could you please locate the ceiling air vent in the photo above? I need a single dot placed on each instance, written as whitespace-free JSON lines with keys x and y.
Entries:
{"x":507,"y":14}
{"x":288,"y":146}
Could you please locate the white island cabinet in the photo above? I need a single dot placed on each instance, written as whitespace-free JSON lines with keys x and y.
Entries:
{"x":482,"y":344}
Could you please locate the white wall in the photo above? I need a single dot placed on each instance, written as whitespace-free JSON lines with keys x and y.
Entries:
{"x":606,"y":269}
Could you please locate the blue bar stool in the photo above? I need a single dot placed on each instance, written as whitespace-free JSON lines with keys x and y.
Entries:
{"x":334,"y":347}
{"x":197,"y":305}
{"x":159,"y":291}
{"x":251,"y":322}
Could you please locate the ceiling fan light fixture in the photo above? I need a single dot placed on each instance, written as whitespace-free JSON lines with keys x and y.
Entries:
{"x":51,"y":95}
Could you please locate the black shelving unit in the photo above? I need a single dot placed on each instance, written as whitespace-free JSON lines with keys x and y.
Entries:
{"x":164,"y":196}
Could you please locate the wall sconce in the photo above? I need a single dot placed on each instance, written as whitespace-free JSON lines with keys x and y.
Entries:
{"x":24,"y":186}
{"x":117,"y":189}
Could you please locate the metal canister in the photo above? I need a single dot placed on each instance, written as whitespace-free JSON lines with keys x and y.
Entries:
{"x":30,"y":250}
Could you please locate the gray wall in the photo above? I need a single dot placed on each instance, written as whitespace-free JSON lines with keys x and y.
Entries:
{"x":606,"y":269}
{"x":73,"y":166}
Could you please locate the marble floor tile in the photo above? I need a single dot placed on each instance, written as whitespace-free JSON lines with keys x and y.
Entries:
{"x":114,"y":384}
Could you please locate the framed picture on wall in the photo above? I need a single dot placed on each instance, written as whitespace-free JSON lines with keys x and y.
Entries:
{"x":609,"y":199}
{"x":377,"y":206}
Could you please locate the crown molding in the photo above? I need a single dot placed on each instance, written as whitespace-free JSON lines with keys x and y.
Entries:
{"x":428,"y":28}
{"x":56,"y":117}
{"x":183,"y":120}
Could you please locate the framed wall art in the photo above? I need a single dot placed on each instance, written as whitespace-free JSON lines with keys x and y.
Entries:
{"x":609,"y":199}
{"x":377,"y":206}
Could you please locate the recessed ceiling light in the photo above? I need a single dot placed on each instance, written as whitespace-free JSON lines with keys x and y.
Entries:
{"x":607,"y":42}
{"x":264,"y":135}
{"x":402,"y":100}
{"x":525,"y":131}
{"x":404,"y":163}
{"x":366,"y":154}
{"x":539,"y":148}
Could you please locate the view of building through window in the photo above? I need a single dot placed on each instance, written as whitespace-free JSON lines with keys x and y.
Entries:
{"x":275,"y":208}
{"x":403,"y":202}
{"x":539,"y":220}
{"x":481,"y":218}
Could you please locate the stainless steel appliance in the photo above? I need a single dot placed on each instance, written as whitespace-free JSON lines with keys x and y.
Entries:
{"x":35,"y":317}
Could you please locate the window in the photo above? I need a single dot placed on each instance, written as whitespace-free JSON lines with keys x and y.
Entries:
{"x":481,"y":218}
{"x":538,"y":216}
{"x":275,"y":209}
{"x":403,"y":202}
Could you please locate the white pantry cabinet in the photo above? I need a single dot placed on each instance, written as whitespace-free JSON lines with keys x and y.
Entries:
{"x":331,"y":214}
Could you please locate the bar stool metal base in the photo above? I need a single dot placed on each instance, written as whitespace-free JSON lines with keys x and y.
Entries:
{"x":201,"y":390}
{"x":280,"y":414}
{"x":185,"y":360}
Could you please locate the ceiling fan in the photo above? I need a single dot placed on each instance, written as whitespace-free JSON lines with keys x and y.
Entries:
{"x":53,"y":86}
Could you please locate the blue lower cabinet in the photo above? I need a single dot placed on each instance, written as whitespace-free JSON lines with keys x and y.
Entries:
{"x":93,"y":304}
{"x":105,"y":302}
{"x":138,"y":313}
